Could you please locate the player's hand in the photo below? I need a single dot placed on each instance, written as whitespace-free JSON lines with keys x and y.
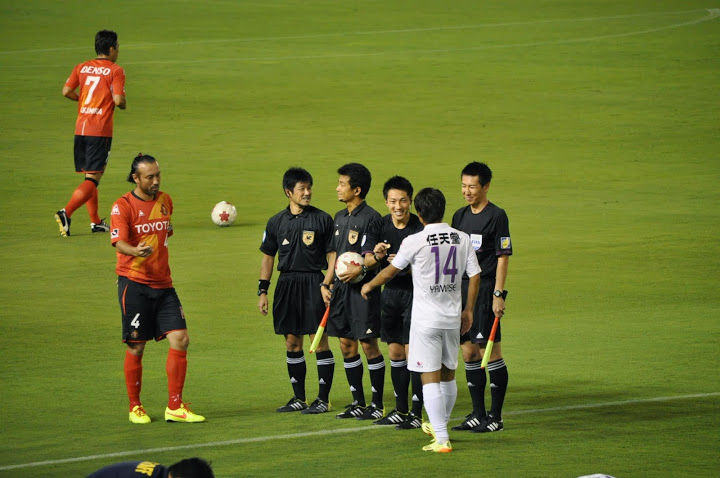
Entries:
{"x":498,"y":306}
{"x":380,"y":249}
{"x":350,"y":273}
{"x":326,"y":295}
{"x":466,"y":319}
{"x":391,"y":257}
{"x":366,"y":289}
{"x":263,"y":304}
{"x":143,"y":250}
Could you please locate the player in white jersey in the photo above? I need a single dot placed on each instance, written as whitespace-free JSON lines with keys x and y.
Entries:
{"x":439,"y":256}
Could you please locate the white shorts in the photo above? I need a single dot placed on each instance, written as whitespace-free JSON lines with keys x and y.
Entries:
{"x":430,"y":348}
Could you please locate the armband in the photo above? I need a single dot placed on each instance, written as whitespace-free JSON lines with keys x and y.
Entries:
{"x":263,"y":286}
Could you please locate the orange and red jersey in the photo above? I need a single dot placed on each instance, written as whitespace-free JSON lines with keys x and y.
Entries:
{"x":98,"y":80}
{"x":133,"y":220}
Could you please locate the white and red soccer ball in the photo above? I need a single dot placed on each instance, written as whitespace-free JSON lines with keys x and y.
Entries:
{"x":352,"y":258}
{"x":223,"y":214}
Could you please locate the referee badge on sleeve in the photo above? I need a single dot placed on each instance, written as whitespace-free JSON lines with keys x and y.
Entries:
{"x":505,"y":243}
{"x":308,"y":237}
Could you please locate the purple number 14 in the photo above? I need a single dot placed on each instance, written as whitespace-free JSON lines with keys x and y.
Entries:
{"x":450,"y":266}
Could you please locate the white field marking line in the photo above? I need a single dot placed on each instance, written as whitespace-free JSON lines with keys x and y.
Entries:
{"x":371,"y":32}
{"x":712,"y":14}
{"x":240,"y":441}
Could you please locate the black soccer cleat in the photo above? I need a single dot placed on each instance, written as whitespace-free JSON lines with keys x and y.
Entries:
{"x":392,"y":418}
{"x":293,"y":405}
{"x":317,"y":407}
{"x":471,"y":421}
{"x":372,"y":412}
{"x":63,"y":222}
{"x":488,"y":424}
{"x":411,"y":423}
{"x":352,"y":411}
{"x":101,"y":226}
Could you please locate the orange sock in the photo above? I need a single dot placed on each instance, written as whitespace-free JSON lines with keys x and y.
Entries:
{"x":80,"y":196}
{"x":133,"y":377}
{"x":92,"y":207}
{"x":176,"y":367}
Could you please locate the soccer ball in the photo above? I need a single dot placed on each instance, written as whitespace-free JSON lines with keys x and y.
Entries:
{"x":352,"y":258}
{"x":223,"y":214}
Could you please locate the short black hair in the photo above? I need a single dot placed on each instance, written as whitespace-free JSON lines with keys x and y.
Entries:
{"x":191,"y":468}
{"x":140,"y":158}
{"x":104,"y":39}
{"x":359,"y":177}
{"x":481,"y":170}
{"x":399,"y":183}
{"x":430,"y":205}
{"x":296,"y":175}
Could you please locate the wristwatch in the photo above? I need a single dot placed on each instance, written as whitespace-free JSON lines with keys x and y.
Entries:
{"x":261,"y":292}
{"x":499,"y":293}
{"x":327,"y":286}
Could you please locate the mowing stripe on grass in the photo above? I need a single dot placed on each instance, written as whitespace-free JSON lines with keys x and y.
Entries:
{"x":371,"y":32}
{"x":240,"y":441}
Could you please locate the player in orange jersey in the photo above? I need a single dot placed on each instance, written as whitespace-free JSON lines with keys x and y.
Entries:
{"x":140,"y":229}
{"x":101,"y":86}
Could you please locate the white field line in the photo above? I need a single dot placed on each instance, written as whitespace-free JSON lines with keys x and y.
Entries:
{"x":371,"y":32}
{"x":326,"y":432}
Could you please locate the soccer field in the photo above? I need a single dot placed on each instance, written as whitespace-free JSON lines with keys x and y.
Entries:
{"x":600,"y":120}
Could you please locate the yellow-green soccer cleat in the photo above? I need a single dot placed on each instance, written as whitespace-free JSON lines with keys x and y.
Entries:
{"x":439,"y":447}
{"x":183,"y":414}
{"x":138,"y":415}
{"x":427,"y":428}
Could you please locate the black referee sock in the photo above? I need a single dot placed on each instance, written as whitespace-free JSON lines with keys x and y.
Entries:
{"x":476,"y":380}
{"x":400,"y":376}
{"x":417,"y":395}
{"x":498,"y":386}
{"x":354,"y":373}
{"x":297,"y":371}
{"x":326,"y":370}
{"x":376,"y":367}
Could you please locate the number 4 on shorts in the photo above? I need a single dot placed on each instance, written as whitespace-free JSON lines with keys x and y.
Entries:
{"x":135,"y":322}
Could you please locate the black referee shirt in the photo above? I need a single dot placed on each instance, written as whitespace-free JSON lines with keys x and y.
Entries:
{"x":383,"y":230}
{"x":351,"y":229}
{"x":489,"y":232}
{"x":301,"y":242}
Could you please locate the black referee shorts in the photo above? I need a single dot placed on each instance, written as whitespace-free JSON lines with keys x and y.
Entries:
{"x":395,"y":315}
{"x":298,"y":305}
{"x":148,"y":313}
{"x":483,"y":315}
{"x":351,"y":316}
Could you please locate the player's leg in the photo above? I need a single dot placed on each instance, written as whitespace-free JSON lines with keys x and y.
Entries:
{"x":354,"y":373}
{"x":297,"y":370}
{"x":366,"y":315}
{"x":171,"y":325}
{"x":326,"y":371}
{"x":425,"y":357}
{"x":137,"y":327}
{"x":450,"y":345}
{"x":497,"y":370}
{"x":314,"y":309}
{"x":97,"y":155}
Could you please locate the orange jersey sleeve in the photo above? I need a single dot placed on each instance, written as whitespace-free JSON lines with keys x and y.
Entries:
{"x":98,"y":81}
{"x":133,"y":220}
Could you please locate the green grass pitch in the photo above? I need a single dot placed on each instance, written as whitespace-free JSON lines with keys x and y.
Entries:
{"x":600,"y":120}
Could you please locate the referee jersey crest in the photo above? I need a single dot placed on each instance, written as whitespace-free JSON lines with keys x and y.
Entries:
{"x":308,"y":237}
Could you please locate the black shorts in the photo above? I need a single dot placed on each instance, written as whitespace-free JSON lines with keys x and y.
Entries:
{"x":395,"y":315}
{"x":148,"y":313}
{"x":483,"y":315}
{"x":298,"y":305}
{"x":91,"y":153}
{"x":351,"y":316}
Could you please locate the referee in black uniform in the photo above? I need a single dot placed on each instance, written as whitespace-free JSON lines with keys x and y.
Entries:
{"x":353,"y":319}
{"x":489,"y":232}
{"x":387,"y":234}
{"x":302,"y":236}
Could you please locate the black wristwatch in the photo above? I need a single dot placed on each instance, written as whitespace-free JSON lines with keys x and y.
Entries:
{"x":261,"y":292}
{"x":500,"y":293}
{"x":327,"y":286}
